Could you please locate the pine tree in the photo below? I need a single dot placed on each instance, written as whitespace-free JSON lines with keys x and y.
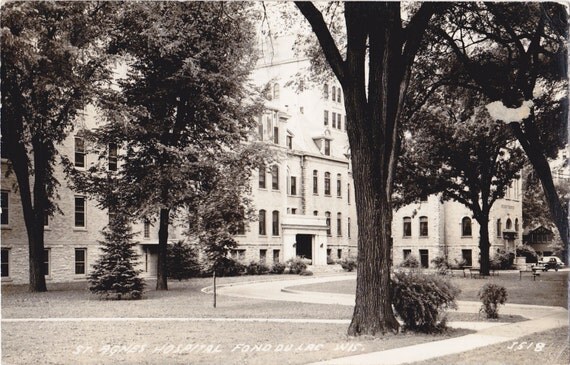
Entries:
{"x":114,"y":272}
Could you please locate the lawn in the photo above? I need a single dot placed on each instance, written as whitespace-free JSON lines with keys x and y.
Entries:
{"x":102,"y":341}
{"x":550,"y":288}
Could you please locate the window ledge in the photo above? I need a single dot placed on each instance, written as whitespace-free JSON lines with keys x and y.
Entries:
{"x":7,"y":279}
{"x":6,"y":227}
{"x":79,"y":229}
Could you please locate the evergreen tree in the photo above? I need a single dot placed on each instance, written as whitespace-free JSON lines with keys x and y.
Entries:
{"x":182,"y":261}
{"x":114,"y":272}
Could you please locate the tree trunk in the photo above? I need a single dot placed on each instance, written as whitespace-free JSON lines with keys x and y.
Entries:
{"x":484,"y":244}
{"x":161,"y":274}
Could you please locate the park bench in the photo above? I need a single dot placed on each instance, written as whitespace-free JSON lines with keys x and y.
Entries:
{"x":474,"y":272}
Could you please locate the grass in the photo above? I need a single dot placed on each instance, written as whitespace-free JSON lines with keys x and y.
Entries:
{"x":546,"y":348}
{"x":146,"y":342}
{"x":550,"y":288}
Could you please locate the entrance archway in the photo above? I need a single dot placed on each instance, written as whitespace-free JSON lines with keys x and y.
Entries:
{"x":304,"y":246}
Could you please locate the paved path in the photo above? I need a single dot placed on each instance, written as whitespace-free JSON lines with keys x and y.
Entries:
{"x":541,"y":318}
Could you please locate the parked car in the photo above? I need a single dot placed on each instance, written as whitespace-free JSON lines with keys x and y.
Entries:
{"x":551,"y":262}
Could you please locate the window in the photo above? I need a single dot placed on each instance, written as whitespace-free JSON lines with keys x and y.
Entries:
{"x":293,"y":185}
{"x":276,"y":93}
{"x":333,"y":93}
{"x":112,"y":157}
{"x":80,"y":260}
{"x":348,"y":227}
{"x":407,"y":253}
{"x":46,"y":265}
{"x":509,"y":224}
{"x":338,"y":122}
{"x":328,"y":217}
{"x":5,"y":215}
{"x":290,"y":142}
{"x":315,"y":182}
{"x":338,"y":95}
{"x":499,"y":227}
{"x":326,"y":117}
{"x":339,"y":253}
{"x":339,"y":224}
{"x":327,"y":147}
{"x":79,"y":152}
{"x":467,"y":256}
{"x":517,"y":224}
{"x":262,"y":255}
{"x":338,"y":185}
{"x":79,"y":211}
{"x":466,"y":227}
{"x":315,"y":213}
{"x":423,"y":226}
{"x":275,"y":177}
{"x":262,"y":230}
{"x":348,"y":193}
{"x":276,"y":135}
{"x":345,"y":123}
{"x":240,"y":228}
{"x":326,"y":91}
{"x":260,"y":129}
{"x":293,"y":211}
{"x":5,"y":263}
{"x":407,"y":227}
{"x":146,"y":230}
{"x":276,"y":255}
{"x":334,"y":119}
{"x":262,"y":176}
{"x":46,"y":219}
{"x":275,"y":225}
{"x":424,"y":258}
{"x":327,"y":183}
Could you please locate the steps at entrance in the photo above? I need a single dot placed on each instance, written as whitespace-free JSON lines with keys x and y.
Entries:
{"x":325,"y":268}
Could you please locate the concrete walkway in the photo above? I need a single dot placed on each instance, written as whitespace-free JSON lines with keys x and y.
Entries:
{"x":541,"y":318}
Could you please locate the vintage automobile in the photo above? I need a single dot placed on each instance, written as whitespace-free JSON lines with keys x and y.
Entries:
{"x":549,"y":263}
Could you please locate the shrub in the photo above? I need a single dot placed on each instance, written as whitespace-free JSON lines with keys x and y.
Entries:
{"x":182,"y":262}
{"x":492,"y":295}
{"x":421,"y":300}
{"x":461,"y":263}
{"x":504,"y":260}
{"x":296,"y":265}
{"x":257,"y":268}
{"x":440,"y":262}
{"x":348,"y":264}
{"x":229,"y":267}
{"x":278,"y":268}
{"x":330,"y":261}
{"x":306,"y":273}
{"x":528,"y":252}
{"x":411,"y":261}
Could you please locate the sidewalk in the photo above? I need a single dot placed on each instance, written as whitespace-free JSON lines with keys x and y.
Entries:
{"x":541,"y":318}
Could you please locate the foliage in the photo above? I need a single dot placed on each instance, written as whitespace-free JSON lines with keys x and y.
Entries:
{"x":348,"y":263}
{"x":182,"y":261}
{"x":460,"y":263}
{"x":306,"y":273}
{"x":257,"y":268}
{"x":441,"y":264}
{"x":53,"y":63}
{"x":503,"y":260}
{"x":492,"y":295}
{"x":528,"y":252}
{"x":296,"y":265}
{"x":114,"y":273}
{"x":226,"y":266}
{"x":330,"y":261}
{"x":278,"y":268}
{"x":410,"y":262}
{"x":535,"y":207}
{"x":421,"y":300}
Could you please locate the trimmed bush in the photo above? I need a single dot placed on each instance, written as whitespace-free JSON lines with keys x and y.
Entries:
{"x":278,"y":268}
{"x":492,"y":295}
{"x":306,"y":273}
{"x":440,"y":263}
{"x":330,"y":261}
{"x":528,"y":252}
{"x":460,"y":263}
{"x":296,"y":265}
{"x":411,"y":262}
{"x":257,"y":268}
{"x":229,"y":267}
{"x":421,"y":300}
{"x":182,"y":262}
{"x":503,"y":260}
{"x":348,"y":264}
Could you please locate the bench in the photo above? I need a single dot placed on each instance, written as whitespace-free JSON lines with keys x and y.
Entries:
{"x":534,"y":272}
{"x":474,"y":272}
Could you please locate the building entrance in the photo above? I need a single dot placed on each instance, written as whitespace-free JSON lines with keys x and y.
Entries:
{"x":304,"y":246}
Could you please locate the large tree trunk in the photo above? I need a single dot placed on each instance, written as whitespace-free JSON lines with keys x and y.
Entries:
{"x":161,"y":274}
{"x":484,"y":244}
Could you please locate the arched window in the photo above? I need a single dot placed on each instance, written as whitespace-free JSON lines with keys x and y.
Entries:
{"x":328,"y":217}
{"x":326,"y":91}
{"x":276,"y":91}
{"x":466,"y":227}
{"x":260,"y":129}
{"x":262,"y":171}
{"x":315,"y":182}
{"x":275,"y":225}
{"x":348,"y":193}
{"x":339,"y":224}
{"x":499,"y":227}
{"x":407,"y":227}
{"x":423,"y":226}
{"x":275,"y":177}
{"x":348,"y":231}
{"x":327,"y":183}
{"x":338,"y":95}
{"x":333,"y":93}
{"x":509,"y":224}
{"x":517,"y":224}
{"x":262,"y":230}
{"x":338,"y":185}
